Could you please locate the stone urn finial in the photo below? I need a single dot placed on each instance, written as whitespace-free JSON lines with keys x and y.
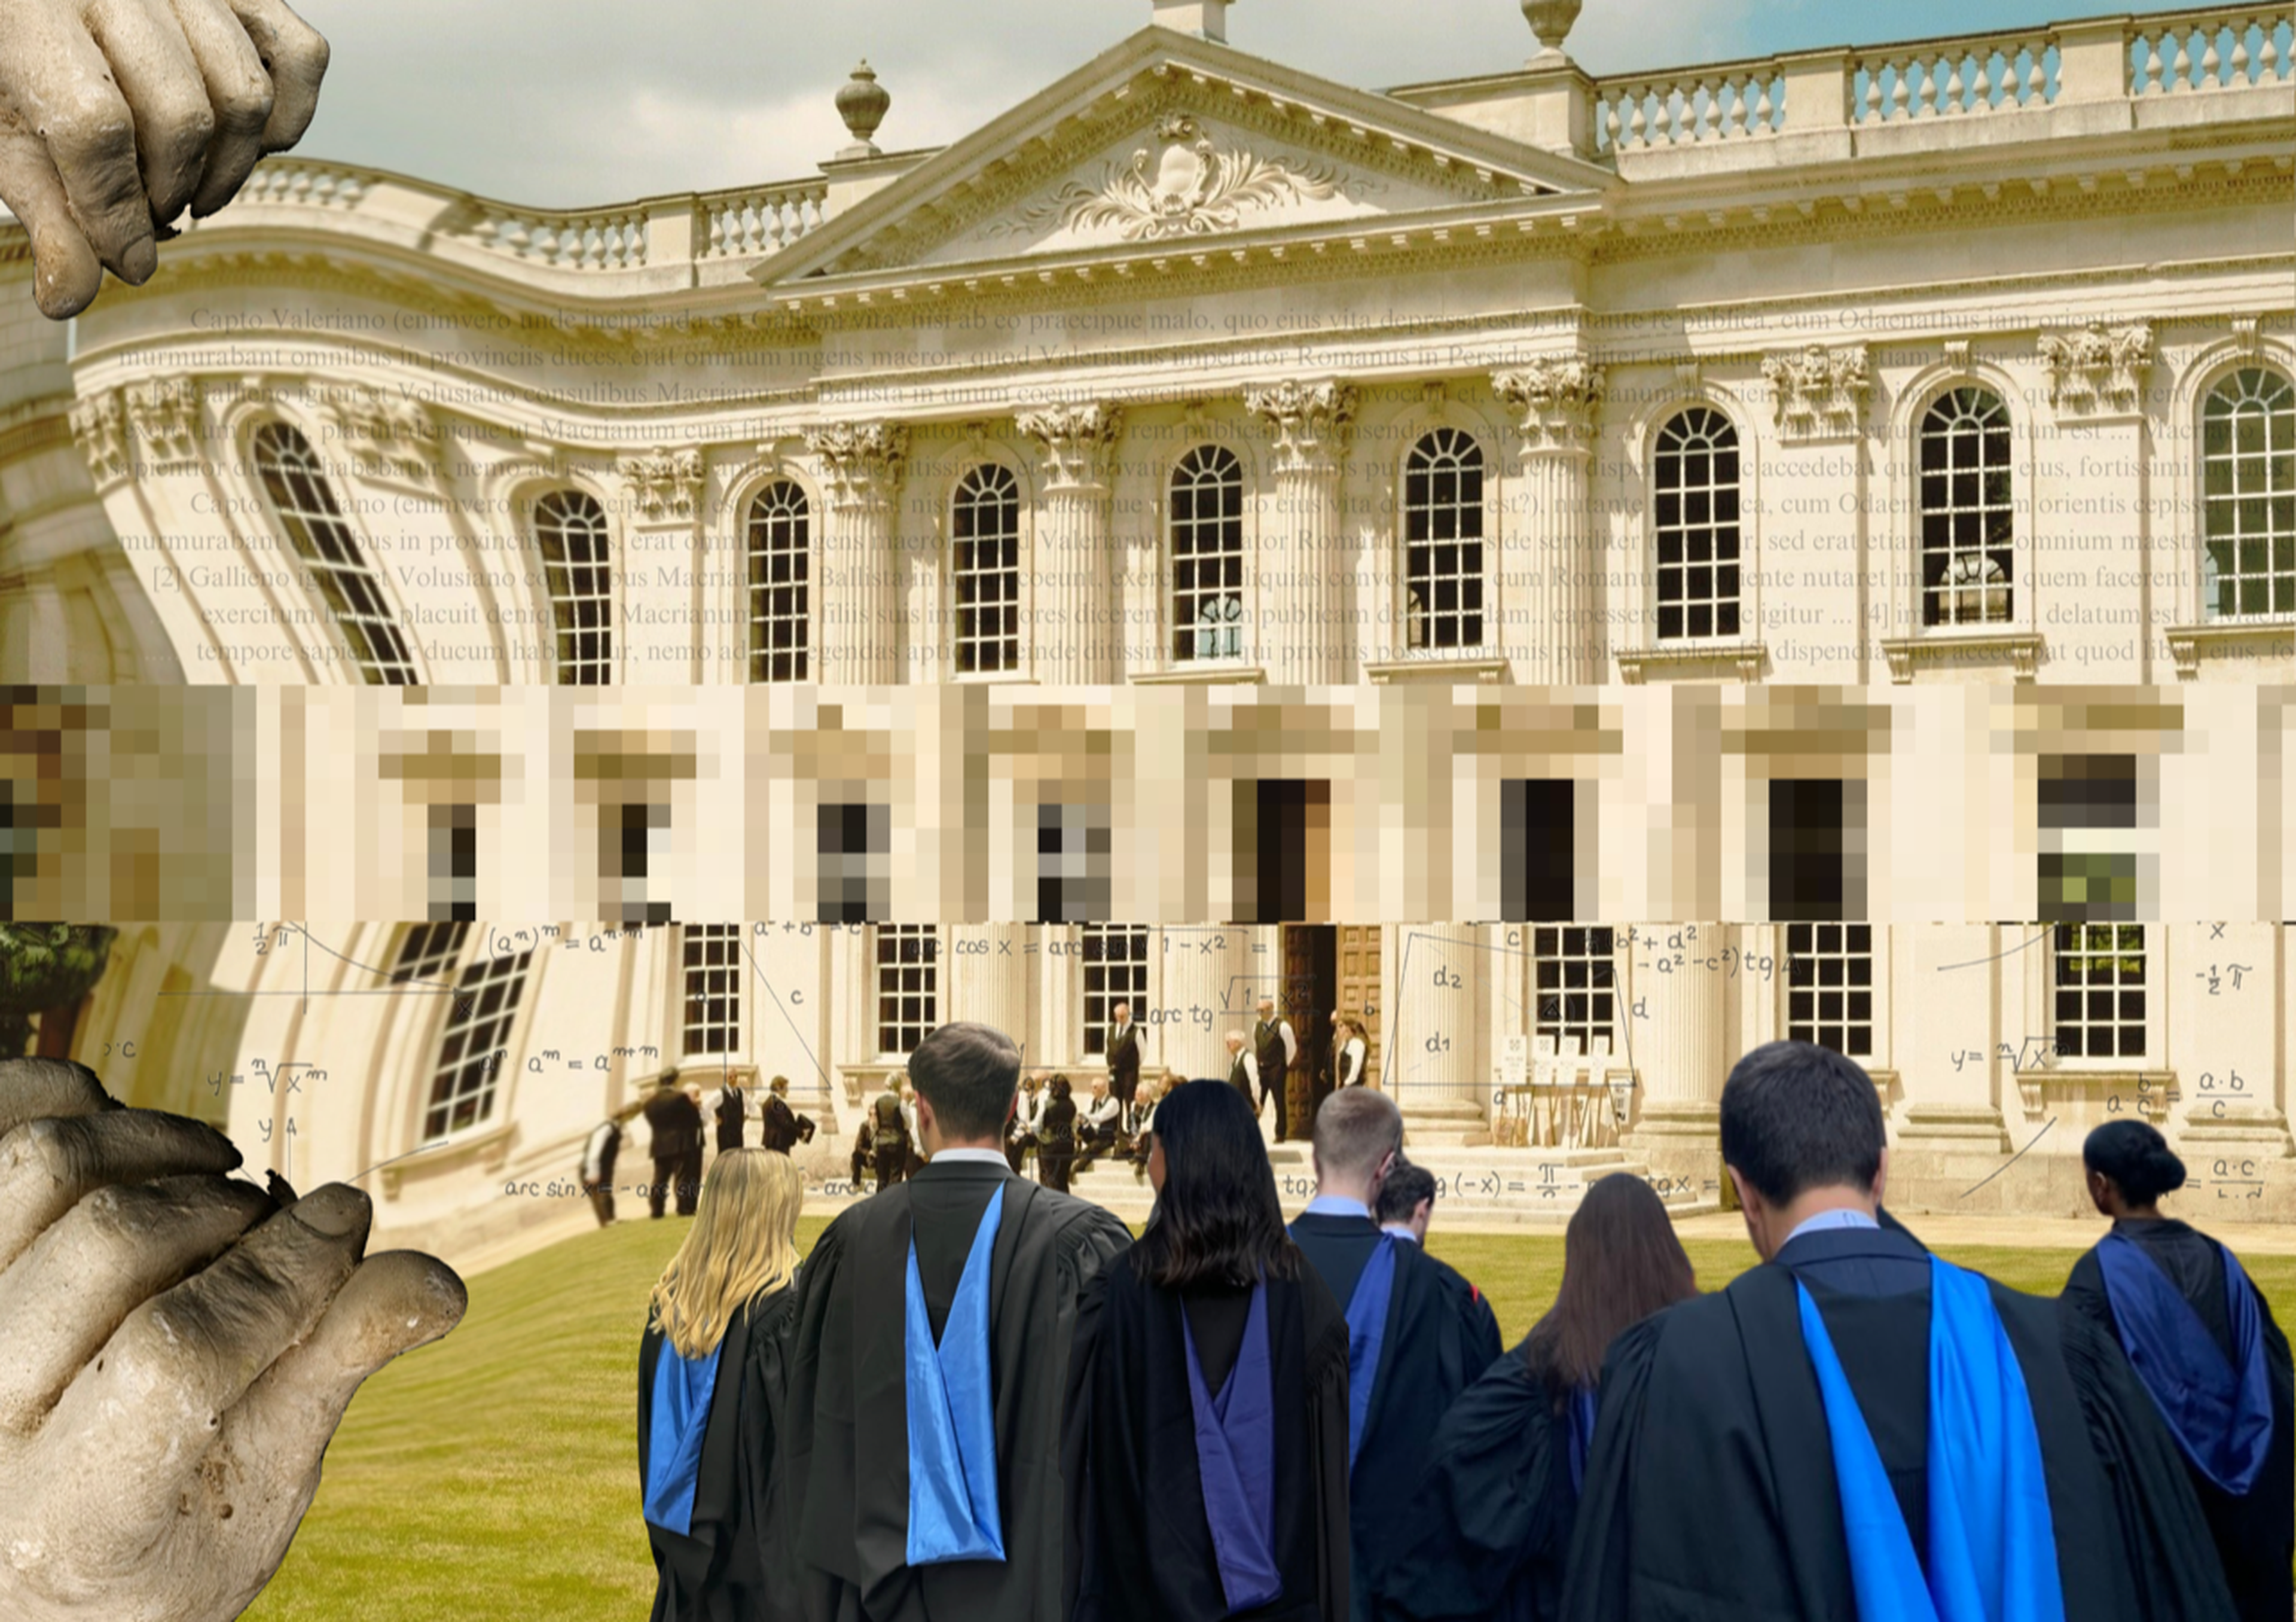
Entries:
{"x":862,"y":104}
{"x":1551,"y":20}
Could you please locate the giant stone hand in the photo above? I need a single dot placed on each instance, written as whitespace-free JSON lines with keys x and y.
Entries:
{"x":176,"y":1351}
{"x":115,"y":115}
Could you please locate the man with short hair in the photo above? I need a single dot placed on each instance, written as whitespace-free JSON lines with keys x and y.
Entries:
{"x":1418,"y":1334}
{"x":600,"y":1150}
{"x":1275,"y":1047}
{"x":729,"y":1109}
{"x":1244,"y":1071}
{"x":952,"y":1497}
{"x":1405,"y":1202}
{"x":781,"y":1129}
{"x":1123,"y":1054}
{"x":674,"y":1122}
{"x":888,"y":1138}
{"x":1855,"y":1425}
{"x":1096,"y":1125}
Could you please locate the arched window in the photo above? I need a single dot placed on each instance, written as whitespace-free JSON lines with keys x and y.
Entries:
{"x":986,"y":569}
{"x":2248,"y":495}
{"x":1697,"y":528}
{"x":781,"y":583}
{"x":1207,"y":537}
{"x":570,"y":529}
{"x":1443,"y":541}
{"x":1967,"y":520}
{"x":300,"y":494}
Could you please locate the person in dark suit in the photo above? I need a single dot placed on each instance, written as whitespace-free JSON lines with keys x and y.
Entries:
{"x":1123,"y":1054}
{"x":1856,"y":1422}
{"x":889,"y":1140}
{"x":1419,"y":1334}
{"x":1273,"y":1046}
{"x":675,"y":1121}
{"x":600,"y":1150}
{"x":730,"y":1110}
{"x":1244,"y":1071}
{"x":784,"y":1128}
{"x":1056,"y":1139}
{"x":935,"y":1453}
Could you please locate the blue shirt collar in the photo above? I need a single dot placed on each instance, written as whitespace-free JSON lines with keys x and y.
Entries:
{"x":1842,"y":1217}
{"x":1401,"y":1230}
{"x":1337,"y":1205}
{"x":986,"y":1157}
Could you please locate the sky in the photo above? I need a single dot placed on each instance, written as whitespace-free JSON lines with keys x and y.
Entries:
{"x":566,"y":104}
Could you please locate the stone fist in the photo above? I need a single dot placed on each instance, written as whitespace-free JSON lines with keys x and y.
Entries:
{"x":116,"y":114}
{"x":177,"y":1347}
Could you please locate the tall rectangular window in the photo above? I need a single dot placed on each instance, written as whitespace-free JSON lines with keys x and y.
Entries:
{"x":985,"y":567}
{"x":1574,"y":985}
{"x":1809,"y":870}
{"x":472,"y":1047}
{"x":1538,"y":850}
{"x":1074,"y":872}
{"x":634,"y":839}
{"x":713,"y":988}
{"x":909,"y":985}
{"x":1830,"y":986}
{"x":855,"y":876}
{"x":2087,"y":872}
{"x":1115,"y":970}
{"x":1290,"y":822}
{"x":453,"y":877}
{"x":2098,"y":986}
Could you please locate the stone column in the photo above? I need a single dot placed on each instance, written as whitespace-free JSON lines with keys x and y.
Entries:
{"x":1674,"y":1021}
{"x":1060,"y":995}
{"x":1302,"y":636}
{"x":1948,"y":1028}
{"x":861,"y":464}
{"x":1200,"y":983}
{"x":989,"y":986}
{"x":1551,"y":547}
{"x":1074,"y":606}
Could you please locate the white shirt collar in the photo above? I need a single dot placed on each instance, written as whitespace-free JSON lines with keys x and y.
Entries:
{"x":1842,"y":1217}
{"x":961,"y":1156}
{"x":1337,"y":1205}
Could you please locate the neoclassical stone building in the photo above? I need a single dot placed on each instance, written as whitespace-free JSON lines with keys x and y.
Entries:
{"x":447,"y":1064}
{"x":1963,"y":360}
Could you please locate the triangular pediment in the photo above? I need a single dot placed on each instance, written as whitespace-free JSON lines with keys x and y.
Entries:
{"x":1168,"y":142}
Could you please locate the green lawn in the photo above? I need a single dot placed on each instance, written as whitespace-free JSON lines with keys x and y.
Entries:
{"x":496,"y":1474}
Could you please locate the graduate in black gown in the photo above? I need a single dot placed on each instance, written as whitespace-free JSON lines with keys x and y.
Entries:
{"x":941,"y":1353}
{"x":1219,"y":1424}
{"x":1483,"y":1536}
{"x":1418,"y":1334}
{"x":710,"y":1387}
{"x":1858,"y":1429}
{"x":2202,"y":1338}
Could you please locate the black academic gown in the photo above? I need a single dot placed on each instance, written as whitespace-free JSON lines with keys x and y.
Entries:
{"x":1440,"y":1337}
{"x":1149,"y":1554}
{"x":1482,"y":1537}
{"x":1710,"y":1497}
{"x":724,"y":1570}
{"x":846,"y":1454}
{"x":2253,"y":1534}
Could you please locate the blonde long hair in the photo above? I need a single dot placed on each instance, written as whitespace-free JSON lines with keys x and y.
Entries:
{"x":742,"y":1244}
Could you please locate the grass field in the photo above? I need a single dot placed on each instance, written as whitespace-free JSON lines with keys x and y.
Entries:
{"x":495,"y":1475}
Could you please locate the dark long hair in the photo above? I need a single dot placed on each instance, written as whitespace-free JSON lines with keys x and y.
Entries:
{"x":1620,"y":1264}
{"x":1217,"y":1220}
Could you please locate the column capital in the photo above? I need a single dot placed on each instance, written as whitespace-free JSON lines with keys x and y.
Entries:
{"x":1558,"y":399}
{"x":1817,"y":392}
{"x":1074,"y":438}
{"x":1310,"y":419}
{"x":666,"y":485}
{"x":862,"y":462}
